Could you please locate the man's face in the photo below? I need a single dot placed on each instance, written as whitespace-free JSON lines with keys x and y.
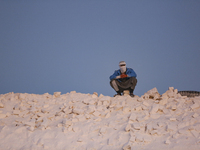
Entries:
{"x":122,"y":68}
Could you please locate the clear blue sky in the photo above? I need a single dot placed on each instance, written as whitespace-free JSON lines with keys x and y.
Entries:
{"x":49,"y":46}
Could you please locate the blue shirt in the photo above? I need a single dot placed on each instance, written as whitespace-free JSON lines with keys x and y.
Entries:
{"x":129,"y":71}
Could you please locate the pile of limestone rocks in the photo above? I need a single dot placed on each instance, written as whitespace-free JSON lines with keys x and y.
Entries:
{"x":87,"y":120}
{"x":169,"y":115}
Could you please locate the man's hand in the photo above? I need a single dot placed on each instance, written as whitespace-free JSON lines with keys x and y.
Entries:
{"x":123,"y":75}
{"x":117,"y":77}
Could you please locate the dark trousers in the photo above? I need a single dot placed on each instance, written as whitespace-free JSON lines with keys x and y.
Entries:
{"x":124,"y":84}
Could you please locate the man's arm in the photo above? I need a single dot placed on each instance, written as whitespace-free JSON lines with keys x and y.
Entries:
{"x":131,"y":73}
{"x":115,"y":75}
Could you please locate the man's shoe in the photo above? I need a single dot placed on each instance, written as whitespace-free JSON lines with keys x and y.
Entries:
{"x":117,"y":94}
{"x":132,"y":95}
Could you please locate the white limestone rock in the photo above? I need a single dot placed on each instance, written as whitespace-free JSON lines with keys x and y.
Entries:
{"x":59,"y":125}
{"x":154,"y":109}
{"x":22,"y":96}
{"x":147,"y":138}
{"x":45,"y":105}
{"x":138,"y":108}
{"x":112,"y":141}
{"x":167,"y":142}
{"x":154,"y":116}
{"x":103,"y":130}
{"x":149,"y":127}
{"x":44,"y":110}
{"x":107,"y":115}
{"x":2,"y":116}
{"x":30,"y":123}
{"x":145,"y":103}
{"x":175,"y":136}
{"x":97,"y":113}
{"x":75,"y":120}
{"x":73,"y":92}
{"x":16,"y":112}
{"x":81,"y":117}
{"x":161,"y":124}
{"x":176,"y":91}
{"x":75,"y":128}
{"x":86,"y":101}
{"x":137,"y":126}
{"x":194,"y":106}
{"x":132,"y":139}
{"x":1,"y":105}
{"x":80,"y":140}
{"x":31,"y":128}
{"x":96,"y":94}
{"x":195,"y":133}
{"x":106,"y":103}
{"x":70,"y":128}
{"x":172,"y":127}
{"x":173,"y":107}
{"x":139,"y":138}
{"x":152,"y":94}
{"x":120,"y":104}
{"x":197,"y":127}
{"x":67,"y":110}
{"x":128,"y":127}
{"x":45,"y":123}
{"x":171,"y":94}
{"x":166,"y":111}
{"x":92,"y":102}
{"x":163,"y":101}
{"x":91,"y":109}
{"x":140,"y":99}
{"x":78,"y":111}
{"x":144,"y":107}
{"x":183,"y":124}
{"x":127,"y":147}
{"x":184,"y":131}
{"x":133,"y":117}
{"x":172,"y":119}
{"x":126,"y":109}
{"x":101,"y":108}
{"x":66,"y":122}
{"x":171,"y":89}
{"x":105,"y":100}
{"x":142,"y":118}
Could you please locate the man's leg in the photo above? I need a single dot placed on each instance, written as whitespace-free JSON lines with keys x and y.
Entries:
{"x":124,"y":85}
{"x":133,"y":84}
{"x":115,"y":86}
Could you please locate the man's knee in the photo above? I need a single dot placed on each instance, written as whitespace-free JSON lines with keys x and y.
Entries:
{"x":134,"y":80}
{"x":111,"y":82}
{"x":114,"y":85}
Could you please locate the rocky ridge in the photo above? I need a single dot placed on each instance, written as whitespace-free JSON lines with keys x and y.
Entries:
{"x":88,"y":121}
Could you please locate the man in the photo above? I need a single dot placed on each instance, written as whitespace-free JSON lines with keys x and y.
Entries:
{"x":123,"y":79}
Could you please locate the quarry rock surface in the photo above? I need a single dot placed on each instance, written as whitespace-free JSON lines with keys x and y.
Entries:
{"x":87,"y":121}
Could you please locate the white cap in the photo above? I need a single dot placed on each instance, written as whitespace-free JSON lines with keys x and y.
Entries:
{"x":122,"y":63}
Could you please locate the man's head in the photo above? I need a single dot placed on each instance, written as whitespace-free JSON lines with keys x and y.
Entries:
{"x":122,"y":66}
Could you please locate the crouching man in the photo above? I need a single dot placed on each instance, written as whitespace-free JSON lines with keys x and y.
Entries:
{"x":123,"y":79}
